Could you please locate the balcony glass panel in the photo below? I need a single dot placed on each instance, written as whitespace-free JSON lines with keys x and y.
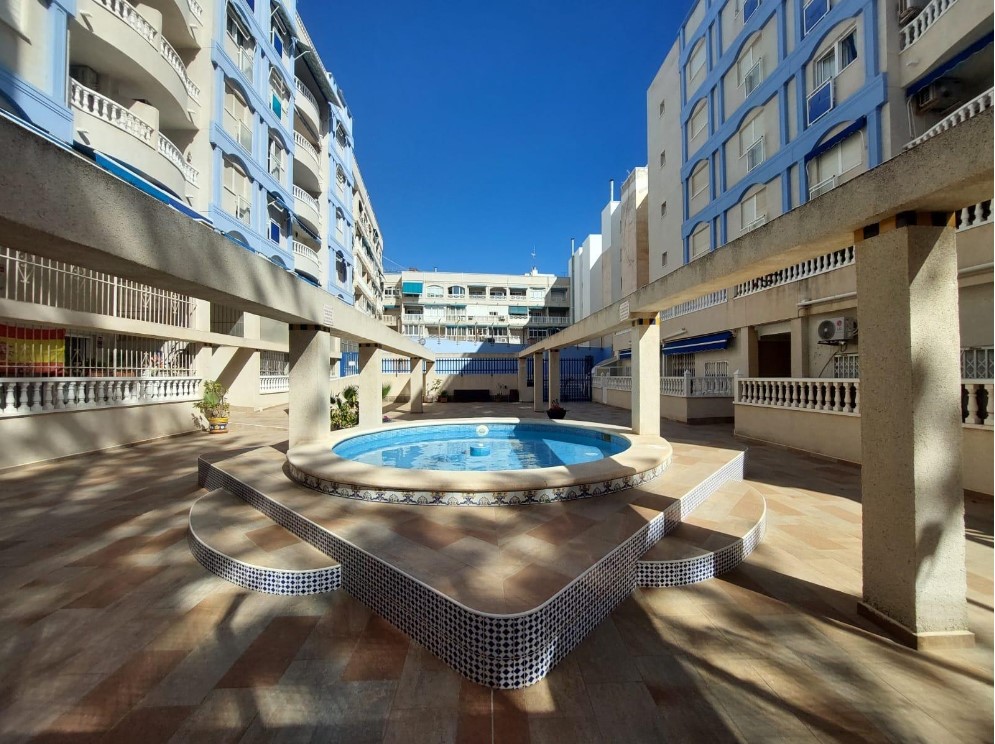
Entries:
{"x":821,"y":101}
{"x":814,"y":12}
{"x":749,"y":8}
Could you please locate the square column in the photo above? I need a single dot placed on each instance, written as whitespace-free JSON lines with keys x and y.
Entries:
{"x":370,"y":386}
{"x":523,"y":380}
{"x":553,"y":391}
{"x":645,"y":336}
{"x":309,"y":399}
{"x":799,"y":347}
{"x":416,"y":386}
{"x":429,"y":372}
{"x":537,"y":381}
{"x":913,"y":501}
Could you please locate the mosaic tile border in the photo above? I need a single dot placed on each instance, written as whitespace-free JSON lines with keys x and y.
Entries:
{"x":259,"y":578}
{"x":475,"y":498}
{"x":502,"y":651}
{"x":700,"y":568}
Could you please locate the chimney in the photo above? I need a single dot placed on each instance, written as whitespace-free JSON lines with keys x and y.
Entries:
{"x":611,"y":196}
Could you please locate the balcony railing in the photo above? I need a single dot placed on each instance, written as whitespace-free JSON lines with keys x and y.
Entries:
{"x":976,"y":402}
{"x":913,"y":31}
{"x":24,"y":396}
{"x":755,"y":155}
{"x":813,"y":394}
{"x":302,"y":142}
{"x":797,"y":272}
{"x":107,"y":110}
{"x":196,"y":8}
{"x":754,"y":224}
{"x":127,"y":13}
{"x":303,"y":90}
{"x":172,"y":153}
{"x":242,"y":56}
{"x":821,"y":101}
{"x":975,"y":215}
{"x":754,"y":77}
{"x":692,"y":306}
{"x":822,"y":187}
{"x":274,"y":383}
{"x":305,"y":197}
{"x":968,"y":111}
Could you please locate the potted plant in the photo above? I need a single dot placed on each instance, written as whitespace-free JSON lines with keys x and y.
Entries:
{"x":345,"y":408}
{"x":214,"y":405}
{"x":433,"y":390}
{"x":555,"y":410}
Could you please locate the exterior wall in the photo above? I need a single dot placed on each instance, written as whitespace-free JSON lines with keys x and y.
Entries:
{"x":664,"y":186}
{"x":368,"y":250}
{"x":977,"y":458}
{"x":635,"y":232}
{"x":30,"y":438}
{"x":673,"y":408}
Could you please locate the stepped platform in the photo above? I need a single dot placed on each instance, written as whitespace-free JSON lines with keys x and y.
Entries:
{"x":244,"y":546}
{"x":499,"y":593}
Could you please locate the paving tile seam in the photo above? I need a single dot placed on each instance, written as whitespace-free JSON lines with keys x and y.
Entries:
{"x":533,"y":651}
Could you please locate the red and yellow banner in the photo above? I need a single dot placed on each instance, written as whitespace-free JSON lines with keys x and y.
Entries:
{"x":29,"y":352}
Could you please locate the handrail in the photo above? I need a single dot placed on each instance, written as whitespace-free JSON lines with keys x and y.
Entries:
{"x":110,"y":111}
{"x":969,"y":110}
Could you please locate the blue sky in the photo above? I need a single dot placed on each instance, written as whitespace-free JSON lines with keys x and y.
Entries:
{"x":483,"y":129}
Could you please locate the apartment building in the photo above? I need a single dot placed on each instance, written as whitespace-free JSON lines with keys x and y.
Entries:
{"x":494,"y":308}
{"x":368,"y":242}
{"x":226,"y":112}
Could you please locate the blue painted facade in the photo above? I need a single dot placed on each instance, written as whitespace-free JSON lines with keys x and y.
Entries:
{"x":807,"y":28}
{"x":269,"y":231}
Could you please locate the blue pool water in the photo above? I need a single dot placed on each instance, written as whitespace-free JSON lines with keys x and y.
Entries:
{"x":478,"y":447}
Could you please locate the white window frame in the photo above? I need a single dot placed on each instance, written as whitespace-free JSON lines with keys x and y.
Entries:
{"x":697,"y":60}
{"x":240,"y":196}
{"x":242,"y":40}
{"x":276,"y":158}
{"x":699,"y":119}
{"x":835,"y":52}
{"x":237,"y":111}
{"x":692,"y":240}
{"x":701,"y":168}
{"x":749,"y":219}
{"x":839,"y":169}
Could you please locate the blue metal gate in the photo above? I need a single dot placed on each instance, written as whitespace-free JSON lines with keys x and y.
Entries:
{"x":575,"y":378}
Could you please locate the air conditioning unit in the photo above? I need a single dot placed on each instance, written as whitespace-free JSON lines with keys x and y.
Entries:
{"x":909,"y":9}
{"x":85,"y":76}
{"x":937,"y":96}
{"x":837,"y":329}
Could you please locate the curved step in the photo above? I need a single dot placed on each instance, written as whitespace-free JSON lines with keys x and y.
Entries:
{"x":242,"y":545}
{"x":716,"y":538}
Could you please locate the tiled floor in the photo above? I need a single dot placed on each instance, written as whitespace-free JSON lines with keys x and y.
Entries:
{"x":109,"y":630}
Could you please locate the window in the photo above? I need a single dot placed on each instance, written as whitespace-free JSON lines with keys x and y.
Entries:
{"x":278,"y":34}
{"x":678,"y":364}
{"x":235,"y":199}
{"x":279,"y":95}
{"x":751,"y":142}
{"x":238,"y":118}
{"x":699,"y":119}
{"x":537,"y":294}
{"x":663,"y":107}
{"x":716,"y":369}
{"x":840,"y":56}
{"x":274,"y":363}
{"x":846,"y":366}
{"x":699,"y":179}
{"x":277,"y":159}
{"x":753,"y":210}
{"x":434,"y":290}
{"x":749,"y":69}
{"x":696,"y":62}
{"x":340,"y":137}
{"x":663,"y":258}
{"x":341,"y":272}
{"x":700,"y":242}
{"x":663,"y":209}
{"x":844,"y":157}
{"x":274,"y":231}
{"x":340,"y":182}
{"x":663,"y":159}
{"x":340,"y":226}
{"x":457,"y":291}
{"x":238,"y":44}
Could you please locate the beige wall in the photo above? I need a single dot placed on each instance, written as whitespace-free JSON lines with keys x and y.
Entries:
{"x":674,"y":408}
{"x":768,"y":203}
{"x":769,"y":124}
{"x":664,"y":184}
{"x":635,"y":232}
{"x":24,"y":49}
{"x":48,"y":436}
{"x":977,"y":464}
{"x":764,"y":46}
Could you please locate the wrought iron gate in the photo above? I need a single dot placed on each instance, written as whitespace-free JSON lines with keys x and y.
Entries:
{"x":575,"y":378}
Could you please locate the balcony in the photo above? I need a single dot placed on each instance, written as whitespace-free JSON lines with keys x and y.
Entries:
{"x":307,"y":207}
{"x":941,"y":30}
{"x":307,"y":105}
{"x":117,"y":39}
{"x":968,"y":111}
{"x":307,"y":163}
{"x":307,"y":260}
{"x":123,"y":133}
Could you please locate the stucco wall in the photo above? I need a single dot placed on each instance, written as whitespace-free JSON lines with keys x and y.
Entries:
{"x":977,"y":464}
{"x":59,"y":434}
{"x":674,"y":408}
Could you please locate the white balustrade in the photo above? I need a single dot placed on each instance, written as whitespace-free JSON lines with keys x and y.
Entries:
{"x":301,"y":141}
{"x":127,"y":13}
{"x":196,"y":8}
{"x":25,"y":396}
{"x":303,"y":90}
{"x":109,"y":111}
{"x":305,"y":197}
{"x":822,"y":187}
{"x":692,"y":306}
{"x":968,"y":111}
{"x":804,"y":270}
{"x":976,"y":396}
{"x":169,"y":54}
{"x":812,"y":394}
{"x":173,"y":154}
{"x":974,"y":215}
{"x":672,"y":386}
{"x":274,"y":384}
{"x":617,"y":382}
{"x":688,"y":386}
{"x":914,"y":29}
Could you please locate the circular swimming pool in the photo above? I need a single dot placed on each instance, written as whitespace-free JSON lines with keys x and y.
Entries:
{"x":481,"y":447}
{"x":473,"y":462}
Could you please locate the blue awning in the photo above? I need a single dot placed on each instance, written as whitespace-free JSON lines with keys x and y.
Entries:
{"x":518,"y":310}
{"x":946,"y":67}
{"x":627,"y":354}
{"x":304,"y":226}
{"x":830,"y":143}
{"x":711,"y":342}
{"x":411,"y":288}
{"x":141,"y":182}
{"x":278,"y":201}
{"x":308,"y":278}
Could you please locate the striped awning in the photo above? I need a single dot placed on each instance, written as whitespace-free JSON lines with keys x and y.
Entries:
{"x":711,"y":342}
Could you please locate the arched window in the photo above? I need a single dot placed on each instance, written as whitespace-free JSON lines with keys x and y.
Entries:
{"x":696,"y":63}
{"x":341,"y":271}
{"x":434,"y":290}
{"x":457,"y":291}
{"x":699,"y":179}
{"x":700,"y":241}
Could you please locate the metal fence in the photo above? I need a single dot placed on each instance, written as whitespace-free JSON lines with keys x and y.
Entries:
{"x":575,"y":378}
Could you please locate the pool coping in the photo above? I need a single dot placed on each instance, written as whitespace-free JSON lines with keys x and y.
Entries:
{"x":315,"y":466}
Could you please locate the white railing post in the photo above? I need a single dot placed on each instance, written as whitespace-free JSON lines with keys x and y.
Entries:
{"x":687,"y":384}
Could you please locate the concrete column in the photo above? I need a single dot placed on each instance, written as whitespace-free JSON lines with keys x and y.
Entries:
{"x":428,"y":374}
{"x":416,"y":386}
{"x":537,"y":381}
{"x":751,"y":340}
{"x":370,"y":386}
{"x":309,"y":403}
{"x":799,"y":347}
{"x":913,"y":502}
{"x":554,"y":376}
{"x":523,"y":380}
{"x":645,"y":336}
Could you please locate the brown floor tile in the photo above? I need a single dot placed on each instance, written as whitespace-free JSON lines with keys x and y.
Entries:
{"x":272,"y":538}
{"x":379,"y":655}
{"x":269,"y":655}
